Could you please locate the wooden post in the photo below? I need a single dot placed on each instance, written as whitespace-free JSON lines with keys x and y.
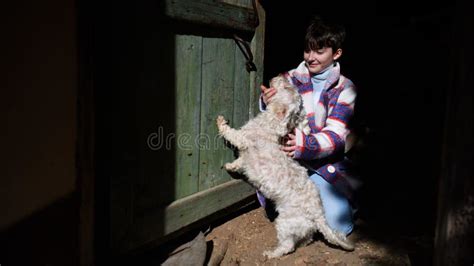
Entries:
{"x":454,"y":231}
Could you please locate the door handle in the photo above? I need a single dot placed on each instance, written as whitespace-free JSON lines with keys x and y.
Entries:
{"x":244,"y":47}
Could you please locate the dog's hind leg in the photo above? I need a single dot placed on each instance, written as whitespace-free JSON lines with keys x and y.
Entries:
{"x":286,"y":241}
{"x":230,"y":134}
{"x":307,"y":240}
{"x":285,"y":246}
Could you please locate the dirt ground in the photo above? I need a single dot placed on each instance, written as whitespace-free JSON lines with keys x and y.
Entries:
{"x":243,"y":239}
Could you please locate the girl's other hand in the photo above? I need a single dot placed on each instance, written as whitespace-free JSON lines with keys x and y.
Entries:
{"x":289,"y":146}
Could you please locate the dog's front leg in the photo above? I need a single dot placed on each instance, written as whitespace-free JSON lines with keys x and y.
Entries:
{"x":230,"y":134}
{"x":234,"y":166}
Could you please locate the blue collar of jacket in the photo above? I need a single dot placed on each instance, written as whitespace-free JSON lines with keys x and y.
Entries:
{"x":301,"y":75}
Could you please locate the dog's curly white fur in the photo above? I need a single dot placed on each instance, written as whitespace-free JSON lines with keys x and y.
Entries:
{"x":277,"y":176}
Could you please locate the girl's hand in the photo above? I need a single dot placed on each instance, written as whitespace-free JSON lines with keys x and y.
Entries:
{"x":267,"y":93}
{"x":290,"y":145}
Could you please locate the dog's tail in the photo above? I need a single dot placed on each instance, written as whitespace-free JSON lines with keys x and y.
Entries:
{"x":335,"y":238}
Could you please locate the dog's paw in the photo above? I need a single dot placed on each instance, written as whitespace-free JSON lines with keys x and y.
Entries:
{"x":228,"y":166}
{"x":271,"y":254}
{"x":306,"y":130}
{"x":268,"y":254}
{"x":231,"y":167}
{"x":220,"y":121}
{"x":305,"y":127}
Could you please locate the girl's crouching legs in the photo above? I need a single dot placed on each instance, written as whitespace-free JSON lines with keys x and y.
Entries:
{"x":337,"y":209}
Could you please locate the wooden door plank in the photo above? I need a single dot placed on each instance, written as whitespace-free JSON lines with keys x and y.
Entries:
{"x":204,"y":203}
{"x":217,"y":99}
{"x":241,"y":90}
{"x":188,"y":104}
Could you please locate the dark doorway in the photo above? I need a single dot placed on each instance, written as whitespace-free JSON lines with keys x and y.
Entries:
{"x":397,"y":54}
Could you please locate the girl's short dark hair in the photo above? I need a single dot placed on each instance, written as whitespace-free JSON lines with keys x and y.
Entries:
{"x":321,"y":34}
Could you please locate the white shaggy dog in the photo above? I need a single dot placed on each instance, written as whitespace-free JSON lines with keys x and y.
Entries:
{"x":277,"y":176}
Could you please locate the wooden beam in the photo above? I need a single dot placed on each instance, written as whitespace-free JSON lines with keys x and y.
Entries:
{"x":454,"y":237}
{"x":184,"y":212}
{"x":212,"y":13}
{"x":201,"y":204}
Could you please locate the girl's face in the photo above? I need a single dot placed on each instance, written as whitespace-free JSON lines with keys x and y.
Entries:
{"x":317,"y":61}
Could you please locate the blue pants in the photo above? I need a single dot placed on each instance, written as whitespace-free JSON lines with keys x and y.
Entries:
{"x":337,"y":210}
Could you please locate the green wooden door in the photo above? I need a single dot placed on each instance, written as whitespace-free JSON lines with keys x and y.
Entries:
{"x":182,"y":68}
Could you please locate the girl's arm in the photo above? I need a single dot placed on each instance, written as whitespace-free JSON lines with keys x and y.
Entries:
{"x":332,"y":138}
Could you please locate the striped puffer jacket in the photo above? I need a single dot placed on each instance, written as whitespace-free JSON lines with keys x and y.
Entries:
{"x":323,"y":150}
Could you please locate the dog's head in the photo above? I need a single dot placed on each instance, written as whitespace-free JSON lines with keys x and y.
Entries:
{"x":287,"y":105}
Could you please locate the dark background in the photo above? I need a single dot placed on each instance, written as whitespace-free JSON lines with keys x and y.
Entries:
{"x":398,"y":55}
